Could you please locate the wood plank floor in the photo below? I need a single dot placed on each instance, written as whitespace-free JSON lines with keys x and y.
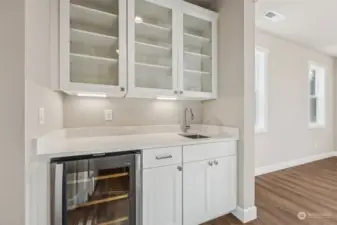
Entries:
{"x":280,"y":196}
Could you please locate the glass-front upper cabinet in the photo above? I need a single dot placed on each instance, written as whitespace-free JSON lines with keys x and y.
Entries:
{"x":152,"y":53}
{"x":198,"y":53}
{"x":93,"y":46}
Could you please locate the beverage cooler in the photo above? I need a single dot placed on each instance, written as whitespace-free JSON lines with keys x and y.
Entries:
{"x":96,"y":190}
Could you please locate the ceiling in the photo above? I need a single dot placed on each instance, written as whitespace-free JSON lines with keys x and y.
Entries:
{"x":312,"y":23}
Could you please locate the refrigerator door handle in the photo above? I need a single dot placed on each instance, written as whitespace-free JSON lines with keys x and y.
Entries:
{"x":57,"y":198}
{"x":138,"y":184}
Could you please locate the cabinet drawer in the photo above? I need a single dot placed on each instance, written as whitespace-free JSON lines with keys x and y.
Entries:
{"x":207,"y":151}
{"x":162,"y":157}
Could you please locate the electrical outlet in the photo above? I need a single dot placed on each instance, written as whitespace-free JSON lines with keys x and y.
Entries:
{"x":42,"y":118}
{"x":108,"y":114}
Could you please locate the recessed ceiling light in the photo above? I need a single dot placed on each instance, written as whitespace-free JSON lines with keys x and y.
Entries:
{"x":274,"y":16}
{"x":138,"y":19}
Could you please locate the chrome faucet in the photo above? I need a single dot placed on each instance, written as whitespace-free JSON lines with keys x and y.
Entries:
{"x":187,"y":124}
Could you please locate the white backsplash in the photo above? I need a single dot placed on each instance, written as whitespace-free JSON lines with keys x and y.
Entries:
{"x":89,"y":112}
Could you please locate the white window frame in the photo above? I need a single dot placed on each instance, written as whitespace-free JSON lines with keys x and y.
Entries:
{"x":261,"y":75}
{"x":320,"y":84}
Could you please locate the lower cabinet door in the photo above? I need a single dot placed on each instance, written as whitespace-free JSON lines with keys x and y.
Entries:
{"x":162,"y":196}
{"x":196,"y":192}
{"x":223,"y":193}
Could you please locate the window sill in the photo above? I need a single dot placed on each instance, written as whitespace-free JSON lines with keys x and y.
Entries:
{"x":316,"y":126}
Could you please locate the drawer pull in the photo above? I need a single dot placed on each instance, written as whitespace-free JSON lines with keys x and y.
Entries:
{"x":164,"y":157}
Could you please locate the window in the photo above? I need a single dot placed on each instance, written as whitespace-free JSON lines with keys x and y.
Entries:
{"x":316,"y":96}
{"x":261,"y":62}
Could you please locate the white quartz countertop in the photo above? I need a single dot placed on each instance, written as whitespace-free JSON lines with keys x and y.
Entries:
{"x":56,"y":145}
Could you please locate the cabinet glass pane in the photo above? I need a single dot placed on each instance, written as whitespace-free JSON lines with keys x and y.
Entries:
{"x":153,"y":46}
{"x":94,"y":53}
{"x":97,"y":196}
{"x":197,"y":54}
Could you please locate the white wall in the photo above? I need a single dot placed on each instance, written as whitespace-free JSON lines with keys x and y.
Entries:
{"x":235,"y":105}
{"x":38,"y":95}
{"x":88,"y":112}
{"x":12,"y":127}
{"x":288,"y":137}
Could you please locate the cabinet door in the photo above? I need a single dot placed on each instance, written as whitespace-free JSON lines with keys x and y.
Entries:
{"x":223,"y":186}
{"x":198,"y":53}
{"x":93,"y":46}
{"x":196,"y":192}
{"x":152,"y":48}
{"x":162,"y":196}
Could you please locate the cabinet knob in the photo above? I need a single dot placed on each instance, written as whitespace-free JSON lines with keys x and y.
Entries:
{"x":210,"y":163}
{"x":216,"y":162}
{"x":123,"y":89}
{"x":181,"y":92}
{"x":179,"y":168}
{"x":175,"y":92}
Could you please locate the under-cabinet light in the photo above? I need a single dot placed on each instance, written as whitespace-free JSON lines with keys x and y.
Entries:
{"x":166,"y":98}
{"x":92,"y":95}
{"x":138,"y":19}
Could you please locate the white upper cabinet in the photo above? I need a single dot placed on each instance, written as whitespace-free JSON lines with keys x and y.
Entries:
{"x":134,"y":48}
{"x":198,"y":52}
{"x":152,"y":53}
{"x":93,"y":47}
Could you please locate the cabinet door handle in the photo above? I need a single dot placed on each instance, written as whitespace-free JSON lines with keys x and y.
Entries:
{"x":179,"y":168}
{"x":164,"y":157}
{"x":216,"y":162}
{"x":210,"y":163}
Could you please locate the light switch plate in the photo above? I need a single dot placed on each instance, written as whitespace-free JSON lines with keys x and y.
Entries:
{"x":42,"y":118}
{"x":108,"y":114}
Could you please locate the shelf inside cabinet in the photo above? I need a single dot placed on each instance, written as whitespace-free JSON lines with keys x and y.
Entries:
{"x":154,"y":26}
{"x":195,"y":38}
{"x":89,"y":15}
{"x":152,"y":48}
{"x":153,"y":66}
{"x":194,"y":54}
{"x":100,"y":201}
{"x":83,"y":36}
{"x":94,"y":58}
{"x":116,"y":221}
{"x":146,"y":29}
{"x":197,"y":72}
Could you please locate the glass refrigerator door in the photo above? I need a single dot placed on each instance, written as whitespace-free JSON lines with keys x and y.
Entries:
{"x":99,"y":191}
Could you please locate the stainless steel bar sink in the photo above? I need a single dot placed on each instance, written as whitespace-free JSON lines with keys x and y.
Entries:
{"x":194,"y":136}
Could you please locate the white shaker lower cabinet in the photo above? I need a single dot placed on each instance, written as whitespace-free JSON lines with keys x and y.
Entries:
{"x":209,"y":189}
{"x":222,"y":187}
{"x":196,"y":192}
{"x":162,"y":196}
{"x":189,"y":186}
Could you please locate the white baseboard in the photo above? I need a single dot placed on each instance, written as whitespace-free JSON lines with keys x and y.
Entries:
{"x":284,"y":165}
{"x":245,"y":215}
